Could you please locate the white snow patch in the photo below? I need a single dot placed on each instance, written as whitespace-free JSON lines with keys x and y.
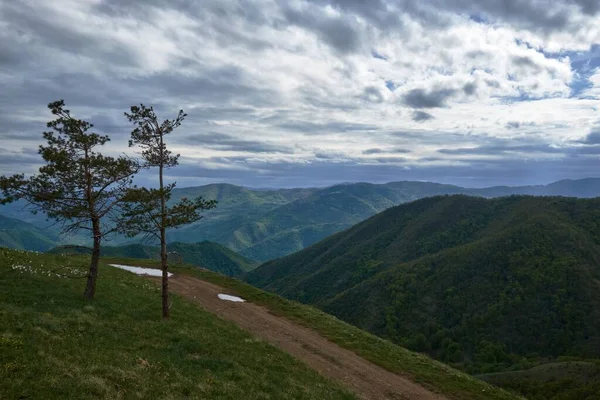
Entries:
{"x":230,"y":298}
{"x":140,"y":270}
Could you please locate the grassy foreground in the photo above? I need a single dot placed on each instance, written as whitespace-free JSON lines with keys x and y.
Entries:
{"x":434,"y":375}
{"x":55,"y":345}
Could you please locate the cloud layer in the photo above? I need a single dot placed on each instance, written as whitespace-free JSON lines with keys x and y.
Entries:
{"x":313,"y":92}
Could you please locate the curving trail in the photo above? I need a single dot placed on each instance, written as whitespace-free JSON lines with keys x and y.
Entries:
{"x":364,"y":378}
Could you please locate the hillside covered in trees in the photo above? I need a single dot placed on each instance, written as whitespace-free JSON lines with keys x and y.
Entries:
{"x":20,"y":235}
{"x":263,"y":224}
{"x":481,"y":284}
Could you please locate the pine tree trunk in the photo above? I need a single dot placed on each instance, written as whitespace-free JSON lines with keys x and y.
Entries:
{"x":165,"y":274}
{"x":163,"y":237}
{"x":90,"y":288}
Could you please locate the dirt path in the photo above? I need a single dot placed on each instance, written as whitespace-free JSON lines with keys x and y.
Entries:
{"x":330,"y":360}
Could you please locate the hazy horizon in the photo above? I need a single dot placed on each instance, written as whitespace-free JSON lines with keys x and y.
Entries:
{"x":375,"y":183}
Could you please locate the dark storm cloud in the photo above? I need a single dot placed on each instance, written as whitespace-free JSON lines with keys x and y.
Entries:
{"x":421,"y":98}
{"x":421,"y":116}
{"x":225,"y":142}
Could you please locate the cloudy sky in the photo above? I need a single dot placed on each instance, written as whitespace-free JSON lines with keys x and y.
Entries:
{"x":313,"y":92}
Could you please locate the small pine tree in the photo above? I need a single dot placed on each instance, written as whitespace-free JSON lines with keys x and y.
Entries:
{"x":78,"y":186}
{"x":145,"y":211}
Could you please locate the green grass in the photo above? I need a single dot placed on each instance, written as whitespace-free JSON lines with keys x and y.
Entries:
{"x":55,"y":345}
{"x":434,"y":375}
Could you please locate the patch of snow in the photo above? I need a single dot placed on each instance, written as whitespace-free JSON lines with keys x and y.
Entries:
{"x":140,"y":270}
{"x":230,"y":298}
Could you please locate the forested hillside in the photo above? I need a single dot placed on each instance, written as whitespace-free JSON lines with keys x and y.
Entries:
{"x":271,"y":223}
{"x":20,"y":235}
{"x":479,"y":283}
{"x":266,"y":224}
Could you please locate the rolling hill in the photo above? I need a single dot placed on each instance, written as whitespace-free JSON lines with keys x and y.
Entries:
{"x":265,"y":233}
{"x":212,"y":256}
{"x":57,"y":345}
{"x":20,"y":235}
{"x":479,"y":283}
{"x":263,"y":224}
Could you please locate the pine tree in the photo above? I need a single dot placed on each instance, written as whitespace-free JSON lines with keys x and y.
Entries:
{"x":146,"y":210}
{"x":78,"y":186}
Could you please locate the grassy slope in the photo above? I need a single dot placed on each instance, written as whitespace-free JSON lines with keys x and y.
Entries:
{"x":432,"y":374}
{"x":55,"y":345}
{"x":205,"y":254}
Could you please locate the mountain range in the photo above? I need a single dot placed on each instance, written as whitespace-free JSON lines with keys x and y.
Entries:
{"x":264,"y":224}
{"x":483,"y":284}
{"x":17,"y":234}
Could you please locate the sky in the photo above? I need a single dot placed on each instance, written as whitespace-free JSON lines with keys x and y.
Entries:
{"x":315,"y":92}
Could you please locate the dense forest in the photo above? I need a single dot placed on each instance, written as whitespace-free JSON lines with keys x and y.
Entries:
{"x":486,"y":285}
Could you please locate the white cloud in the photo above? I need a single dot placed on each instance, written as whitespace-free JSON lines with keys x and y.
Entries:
{"x":302,"y":76}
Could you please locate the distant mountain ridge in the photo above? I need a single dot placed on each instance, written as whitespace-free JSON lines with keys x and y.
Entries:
{"x":20,"y":235}
{"x":263,"y":224}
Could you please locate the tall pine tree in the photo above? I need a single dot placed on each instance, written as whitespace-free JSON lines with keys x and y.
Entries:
{"x":78,"y":186}
{"x":146,"y":211}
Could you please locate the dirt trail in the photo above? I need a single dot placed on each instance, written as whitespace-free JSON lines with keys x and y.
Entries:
{"x":365,"y":379}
